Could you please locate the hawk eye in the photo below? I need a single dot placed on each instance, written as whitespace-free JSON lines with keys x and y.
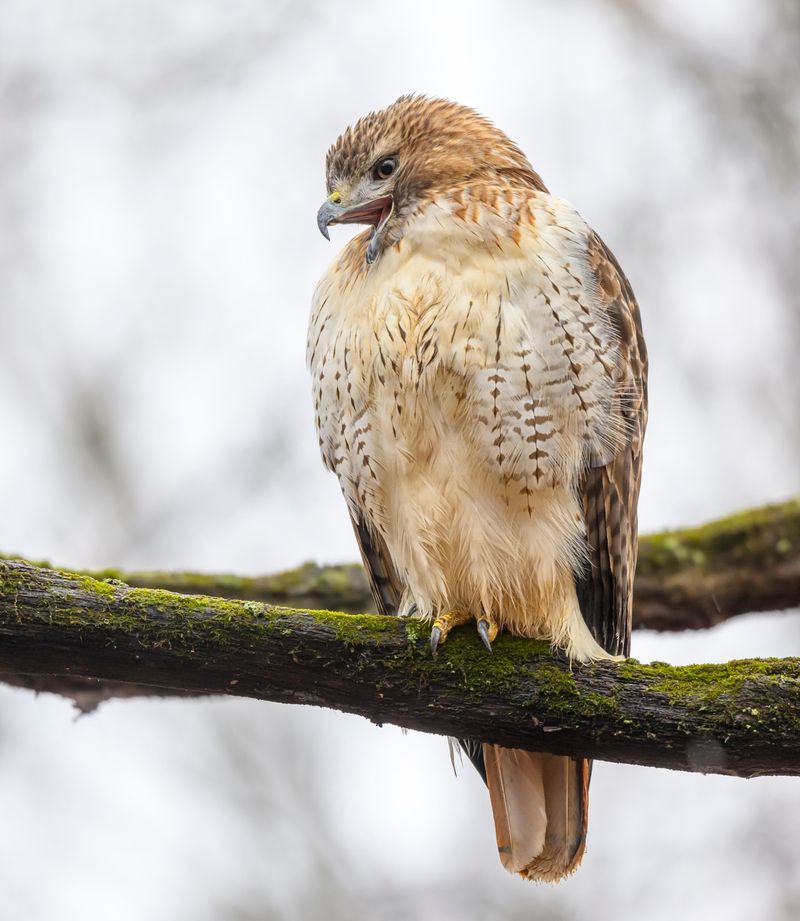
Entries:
{"x":385,"y":168}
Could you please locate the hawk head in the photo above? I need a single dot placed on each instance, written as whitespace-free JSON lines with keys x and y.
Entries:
{"x":382,"y":168}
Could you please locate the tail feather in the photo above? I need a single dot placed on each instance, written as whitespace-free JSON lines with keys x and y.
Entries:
{"x":540,"y":806}
{"x":516,"y":790}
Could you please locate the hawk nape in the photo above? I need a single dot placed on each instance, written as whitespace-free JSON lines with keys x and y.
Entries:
{"x":480,"y":391}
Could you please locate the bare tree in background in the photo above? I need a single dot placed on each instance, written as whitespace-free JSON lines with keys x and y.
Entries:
{"x":745,"y":101}
{"x":746,"y":104}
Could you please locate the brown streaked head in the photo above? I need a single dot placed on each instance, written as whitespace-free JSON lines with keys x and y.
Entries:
{"x":382,"y":167}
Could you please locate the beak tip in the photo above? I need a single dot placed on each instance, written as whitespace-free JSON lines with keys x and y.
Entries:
{"x":326,"y":215}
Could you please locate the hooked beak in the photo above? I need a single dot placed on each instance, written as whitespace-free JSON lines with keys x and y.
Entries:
{"x":376,"y":213}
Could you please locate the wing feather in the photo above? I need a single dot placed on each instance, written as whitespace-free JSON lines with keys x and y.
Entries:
{"x":387,"y":590}
{"x":610,"y":490}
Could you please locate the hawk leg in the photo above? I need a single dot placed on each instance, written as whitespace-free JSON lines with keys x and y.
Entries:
{"x":444,"y":623}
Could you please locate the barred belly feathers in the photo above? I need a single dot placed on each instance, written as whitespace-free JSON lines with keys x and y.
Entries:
{"x":479,"y":383}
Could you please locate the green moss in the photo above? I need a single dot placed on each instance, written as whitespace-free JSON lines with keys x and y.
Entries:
{"x":720,"y":693}
{"x":9,"y":579}
{"x":515,"y":664}
{"x":751,"y":695}
{"x":687,"y":682}
{"x":464,"y":655}
{"x":354,"y":629}
{"x":558,"y":688}
{"x":759,"y":536}
{"x":707,"y":683}
{"x":15,"y":557}
{"x":97,"y":587}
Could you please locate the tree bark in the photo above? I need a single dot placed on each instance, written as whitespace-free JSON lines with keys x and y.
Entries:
{"x":740,"y":718}
{"x":686,"y":580}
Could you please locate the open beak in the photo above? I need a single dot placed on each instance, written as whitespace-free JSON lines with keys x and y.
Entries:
{"x":376,"y":213}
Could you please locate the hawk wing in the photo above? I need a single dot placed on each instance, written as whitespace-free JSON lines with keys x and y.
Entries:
{"x":610,"y":487}
{"x":383,"y":579}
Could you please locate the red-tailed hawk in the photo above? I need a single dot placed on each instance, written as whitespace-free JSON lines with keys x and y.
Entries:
{"x":480,"y":392}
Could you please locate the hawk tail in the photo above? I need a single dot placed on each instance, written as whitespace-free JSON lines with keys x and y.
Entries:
{"x":540,"y":804}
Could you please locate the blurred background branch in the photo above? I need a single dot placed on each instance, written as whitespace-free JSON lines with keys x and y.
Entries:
{"x":689,"y":579}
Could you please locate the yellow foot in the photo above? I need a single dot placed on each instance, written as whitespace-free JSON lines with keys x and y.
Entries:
{"x":444,"y":623}
{"x":487,"y":630}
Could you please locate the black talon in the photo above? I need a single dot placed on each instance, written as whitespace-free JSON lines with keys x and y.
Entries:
{"x":436,"y":635}
{"x":483,"y":630}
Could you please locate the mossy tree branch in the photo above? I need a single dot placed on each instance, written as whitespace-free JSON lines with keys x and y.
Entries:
{"x":741,"y":718}
{"x":688,"y":579}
